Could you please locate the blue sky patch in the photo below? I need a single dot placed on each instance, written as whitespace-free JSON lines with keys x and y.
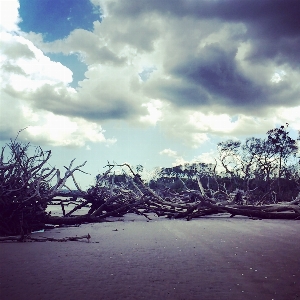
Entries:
{"x":55,"y":19}
{"x":146,"y":73}
{"x":73,"y":63}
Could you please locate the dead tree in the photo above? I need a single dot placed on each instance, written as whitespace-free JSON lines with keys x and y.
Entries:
{"x":27,"y":185}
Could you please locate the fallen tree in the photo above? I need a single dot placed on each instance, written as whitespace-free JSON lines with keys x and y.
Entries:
{"x":28,"y":186}
{"x":107,"y":198}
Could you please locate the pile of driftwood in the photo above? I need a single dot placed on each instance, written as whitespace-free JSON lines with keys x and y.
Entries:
{"x":107,"y":199}
{"x":28,"y":186}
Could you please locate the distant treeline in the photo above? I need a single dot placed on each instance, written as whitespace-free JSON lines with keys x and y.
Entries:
{"x":268,"y":167}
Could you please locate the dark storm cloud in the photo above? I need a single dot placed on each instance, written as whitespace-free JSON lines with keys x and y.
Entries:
{"x":60,"y":102}
{"x":272,"y":25}
{"x":178,"y":92}
{"x":231,"y":69}
{"x":282,"y":50}
{"x":213,"y":78}
{"x":217,"y":72}
{"x":276,"y":17}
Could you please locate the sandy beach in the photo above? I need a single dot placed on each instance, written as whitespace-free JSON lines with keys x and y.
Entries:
{"x":208,"y":258}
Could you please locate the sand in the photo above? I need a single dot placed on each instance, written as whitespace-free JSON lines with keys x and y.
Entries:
{"x":208,"y":258}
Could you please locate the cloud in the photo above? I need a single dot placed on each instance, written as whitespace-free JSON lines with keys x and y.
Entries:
{"x":168,"y":152}
{"x":205,"y":157}
{"x":9,"y":15}
{"x":289,"y":115}
{"x":92,"y":48}
{"x":179,"y":160}
{"x":220,"y":124}
{"x":273,"y":26}
{"x":63,"y":131}
{"x":46,"y":128}
{"x":109,"y":92}
{"x":198,"y":68}
{"x":199,"y":51}
{"x":32,"y":86}
{"x":154,"y":112}
{"x":216,"y":70}
{"x":16,"y":48}
{"x":25,"y":68}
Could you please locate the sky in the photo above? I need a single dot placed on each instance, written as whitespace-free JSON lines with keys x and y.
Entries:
{"x":153,"y":83}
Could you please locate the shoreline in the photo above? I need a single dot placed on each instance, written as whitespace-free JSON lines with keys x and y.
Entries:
{"x":207,"y":258}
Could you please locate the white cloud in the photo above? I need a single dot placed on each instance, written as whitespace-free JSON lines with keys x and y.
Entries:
{"x":169,"y":152}
{"x":31,"y":83}
{"x":205,"y":157}
{"x":198,"y":138}
{"x":179,"y":160}
{"x":64,"y":131}
{"x":154,"y":112}
{"x":224,"y":124}
{"x":24,"y":68}
{"x":46,"y":128}
{"x":278,"y":76}
{"x":9,"y":15}
{"x":289,"y":115}
{"x":211,"y":122}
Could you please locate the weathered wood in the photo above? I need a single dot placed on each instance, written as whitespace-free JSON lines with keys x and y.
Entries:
{"x":26,"y":187}
{"x":24,"y":197}
{"x":29,"y":238}
{"x":54,"y":220}
{"x":83,"y":204}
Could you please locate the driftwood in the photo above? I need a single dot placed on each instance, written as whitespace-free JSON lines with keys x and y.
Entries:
{"x":27,"y":187}
{"x":136,"y":197}
{"x":75,"y":220}
{"x":29,"y":238}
